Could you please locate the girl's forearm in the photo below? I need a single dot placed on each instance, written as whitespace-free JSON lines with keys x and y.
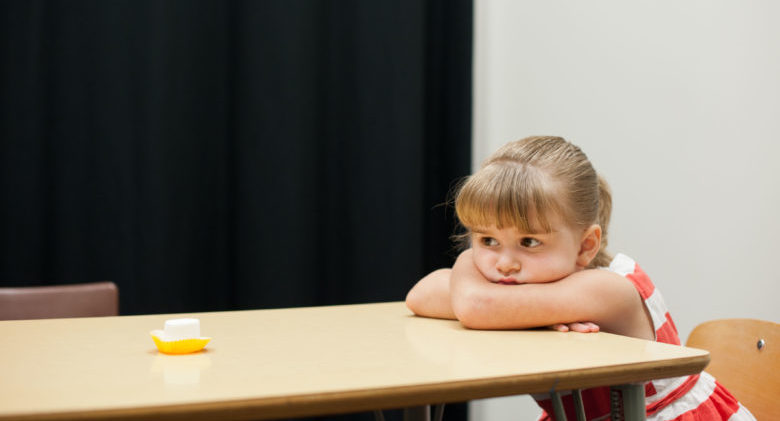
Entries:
{"x":481,"y":304}
{"x":473,"y":301}
{"x":594,"y":296}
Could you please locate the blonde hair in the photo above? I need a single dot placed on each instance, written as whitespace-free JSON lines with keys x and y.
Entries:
{"x":530,"y":179}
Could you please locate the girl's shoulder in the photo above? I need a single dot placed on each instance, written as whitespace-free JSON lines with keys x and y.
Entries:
{"x":622,"y":264}
{"x":627,"y":267}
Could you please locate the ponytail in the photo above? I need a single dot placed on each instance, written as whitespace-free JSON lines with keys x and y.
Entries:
{"x":603,"y":258}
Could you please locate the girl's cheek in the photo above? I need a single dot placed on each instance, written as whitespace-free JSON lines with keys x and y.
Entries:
{"x":553,"y":269}
{"x":484,"y":263}
{"x":484,"y":267}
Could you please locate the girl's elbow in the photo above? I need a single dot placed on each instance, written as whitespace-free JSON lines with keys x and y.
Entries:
{"x":414,"y":302}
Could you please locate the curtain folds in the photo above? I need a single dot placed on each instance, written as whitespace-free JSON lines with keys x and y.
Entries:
{"x":209,"y":155}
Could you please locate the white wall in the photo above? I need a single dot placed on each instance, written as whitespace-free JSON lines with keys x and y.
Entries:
{"x":678,"y":105}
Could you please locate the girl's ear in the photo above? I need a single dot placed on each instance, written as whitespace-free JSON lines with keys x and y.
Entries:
{"x":589,"y":245}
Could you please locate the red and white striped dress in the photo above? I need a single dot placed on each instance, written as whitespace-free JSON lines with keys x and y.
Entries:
{"x":690,"y":398}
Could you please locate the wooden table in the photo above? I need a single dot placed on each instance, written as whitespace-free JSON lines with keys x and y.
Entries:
{"x":267,"y":364}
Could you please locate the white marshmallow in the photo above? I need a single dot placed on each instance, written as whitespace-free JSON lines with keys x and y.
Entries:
{"x":177,"y":329}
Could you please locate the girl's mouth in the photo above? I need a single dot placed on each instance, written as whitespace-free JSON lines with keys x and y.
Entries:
{"x":507,"y":281}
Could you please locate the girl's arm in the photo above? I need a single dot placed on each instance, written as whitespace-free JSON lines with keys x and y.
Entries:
{"x":430,"y":297}
{"x":599,"y":296}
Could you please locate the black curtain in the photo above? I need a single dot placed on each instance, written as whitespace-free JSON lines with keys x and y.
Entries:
{"x":221,"y":155}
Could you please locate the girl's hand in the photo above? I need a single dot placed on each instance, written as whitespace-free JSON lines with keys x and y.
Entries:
{"x":582,"y":327}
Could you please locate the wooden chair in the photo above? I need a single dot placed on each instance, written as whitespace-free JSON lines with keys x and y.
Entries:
{"x":44,"y":302}
{"x":745,"y":358}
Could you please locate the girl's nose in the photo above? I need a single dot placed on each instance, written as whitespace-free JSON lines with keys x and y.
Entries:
{"x":507,"y":265}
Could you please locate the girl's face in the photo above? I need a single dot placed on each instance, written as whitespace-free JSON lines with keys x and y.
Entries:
{"x":510,"y":256}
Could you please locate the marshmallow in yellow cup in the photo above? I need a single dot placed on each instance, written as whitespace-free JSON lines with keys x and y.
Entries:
{"x":180,"y":336}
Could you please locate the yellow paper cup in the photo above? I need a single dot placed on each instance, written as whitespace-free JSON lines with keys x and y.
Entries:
{"x":181,"y":346}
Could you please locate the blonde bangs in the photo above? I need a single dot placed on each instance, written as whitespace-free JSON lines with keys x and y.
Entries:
{"x":507,"y":194}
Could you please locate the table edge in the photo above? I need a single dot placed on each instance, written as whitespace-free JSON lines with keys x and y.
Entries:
{"x":351,"y":401}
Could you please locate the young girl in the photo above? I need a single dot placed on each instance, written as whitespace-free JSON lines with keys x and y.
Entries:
{"x":536,"y":216}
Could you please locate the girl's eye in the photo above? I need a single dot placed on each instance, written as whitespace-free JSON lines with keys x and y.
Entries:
{"x":488,"y":241}
{"x":530,"y":242}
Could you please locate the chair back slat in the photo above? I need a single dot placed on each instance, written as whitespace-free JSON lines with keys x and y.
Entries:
{"x":749,"y":371}
{"x":58,"y":301}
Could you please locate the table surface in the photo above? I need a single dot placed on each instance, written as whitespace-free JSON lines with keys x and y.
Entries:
{"x":303,"y":361}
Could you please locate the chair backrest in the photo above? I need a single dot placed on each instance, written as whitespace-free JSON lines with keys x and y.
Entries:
{"x":745,"y":358}
{"x":44,"y":302}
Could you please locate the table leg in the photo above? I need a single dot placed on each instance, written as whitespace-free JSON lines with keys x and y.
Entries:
{"x":579,"y":407}
{"x":417,"y":413}
{"x":438,"y":413}
{"x":558,"y":412}
{"x":628,"y":402}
